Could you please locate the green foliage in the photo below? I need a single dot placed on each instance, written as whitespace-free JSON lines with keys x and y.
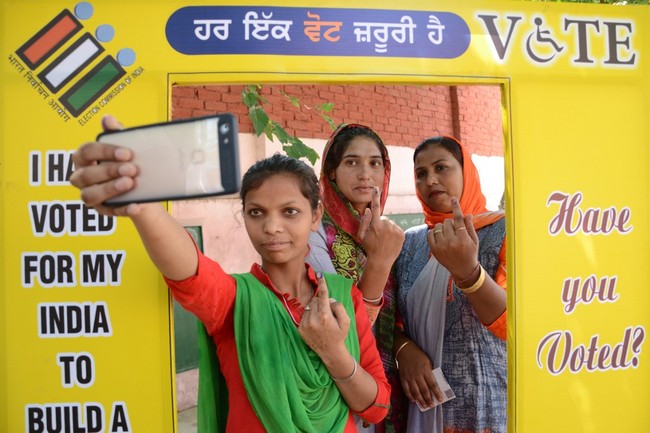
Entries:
{"x":262,"y":124}
{"x":326,"y":107}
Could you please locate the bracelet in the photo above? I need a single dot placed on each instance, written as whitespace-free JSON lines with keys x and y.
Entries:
{"x":477,"y":285}
{"x":349,"y":378}
{"x":372,"y":301}
{"x":464,"y":280}
{"x":399,"y":349}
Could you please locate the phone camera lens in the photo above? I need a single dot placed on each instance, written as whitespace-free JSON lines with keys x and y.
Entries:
{"x":224,"y":128}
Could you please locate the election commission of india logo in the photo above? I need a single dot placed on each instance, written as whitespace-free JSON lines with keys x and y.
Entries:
{"x":72,"y":67}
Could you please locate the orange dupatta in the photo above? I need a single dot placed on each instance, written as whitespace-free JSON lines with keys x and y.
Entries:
{"x":472,"y":200}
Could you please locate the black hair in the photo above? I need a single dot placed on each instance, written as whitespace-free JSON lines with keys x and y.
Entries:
{"x":282,"y":164}
{"x":448,"y":143}
{"x":343,"y":139}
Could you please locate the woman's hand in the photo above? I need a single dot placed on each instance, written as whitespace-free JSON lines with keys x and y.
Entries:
{"x":416,"y":376}
{"x":99,"y":182}
{"x":380,"y":237}
{"x":168,"y":244}
{"x":454,"y":243}
{"x":382,"y":241}
{"x":324,"y":327}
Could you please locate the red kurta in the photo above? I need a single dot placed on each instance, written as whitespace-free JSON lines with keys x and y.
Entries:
{"x":210,"y":295}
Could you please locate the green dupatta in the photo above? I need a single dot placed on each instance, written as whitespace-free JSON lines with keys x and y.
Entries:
{"x":212,"y":407}
{"x":287,"y":384}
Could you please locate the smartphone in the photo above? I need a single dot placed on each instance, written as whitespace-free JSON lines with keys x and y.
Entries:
{"x":181,"y":159}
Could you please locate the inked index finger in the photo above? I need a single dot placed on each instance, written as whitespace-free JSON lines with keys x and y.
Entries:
{"x":457,"y":212}
{"x":375,"y":206}
{"x":323,"y":293}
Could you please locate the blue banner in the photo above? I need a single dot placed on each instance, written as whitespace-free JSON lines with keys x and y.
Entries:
{"x":204,"y":30}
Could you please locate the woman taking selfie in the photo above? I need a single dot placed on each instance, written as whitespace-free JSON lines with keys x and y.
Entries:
{"x":295,"y":346}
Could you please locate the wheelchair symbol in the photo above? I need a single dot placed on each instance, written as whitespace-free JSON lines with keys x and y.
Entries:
{"x":544,"y":42}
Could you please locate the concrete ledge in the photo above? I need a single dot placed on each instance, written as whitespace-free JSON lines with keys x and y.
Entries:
{"x":187,"y":389}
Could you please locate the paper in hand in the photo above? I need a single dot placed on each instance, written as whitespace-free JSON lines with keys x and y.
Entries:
{"x":447,"y":392}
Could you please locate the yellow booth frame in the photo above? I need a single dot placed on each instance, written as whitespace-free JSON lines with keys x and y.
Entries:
{"x":576,"y":109}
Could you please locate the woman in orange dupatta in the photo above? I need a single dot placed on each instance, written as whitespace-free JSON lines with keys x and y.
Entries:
{"x":451,"y":295}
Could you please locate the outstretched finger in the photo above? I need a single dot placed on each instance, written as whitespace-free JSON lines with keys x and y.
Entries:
{"x":93,"y":152}
{"x":341,"y":316}
{"x":84,"y":177}
{"x":375,"y":206}
{"x":96,"y":194}
{"x":323,"y":293}
{"x":457,"y":212}
{"x":364,"y":224}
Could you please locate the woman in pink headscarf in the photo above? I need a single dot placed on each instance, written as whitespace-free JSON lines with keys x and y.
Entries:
{"x":354,"y":239}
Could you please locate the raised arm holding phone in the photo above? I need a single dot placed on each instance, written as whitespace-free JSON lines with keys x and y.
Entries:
{"x":295,"y":347}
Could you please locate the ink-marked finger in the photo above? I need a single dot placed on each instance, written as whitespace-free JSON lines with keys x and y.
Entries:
{"x":323,"y":298}
{"x":457,"y":212}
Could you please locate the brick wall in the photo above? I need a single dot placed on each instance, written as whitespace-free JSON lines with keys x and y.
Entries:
{"x":402,"y":115}
{"x":479,"y":119}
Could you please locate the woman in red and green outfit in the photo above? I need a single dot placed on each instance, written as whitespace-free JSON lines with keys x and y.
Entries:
{"x":295,"y":347}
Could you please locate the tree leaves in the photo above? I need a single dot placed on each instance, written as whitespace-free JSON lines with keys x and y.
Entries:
{"x":297,"y":149}
{"x":262,"y":124}
{"x":260,"y":120}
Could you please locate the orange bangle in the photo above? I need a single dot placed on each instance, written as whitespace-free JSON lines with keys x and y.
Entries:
{"x":477,"y":285}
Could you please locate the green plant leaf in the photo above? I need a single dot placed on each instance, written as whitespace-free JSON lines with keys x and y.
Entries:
{"x":280,"y":133}
{"x":292,"y":99}
{"x":326,"y":107}
{"x":259,"y":118}
{"x":329,"y":121}
{"x":249,"y":96}
{"x":268,"y":131}
{"x":297,"y":149}
{"x":292,"y":146}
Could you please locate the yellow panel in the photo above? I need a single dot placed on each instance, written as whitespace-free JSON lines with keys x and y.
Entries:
{"x":577,"y":99}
